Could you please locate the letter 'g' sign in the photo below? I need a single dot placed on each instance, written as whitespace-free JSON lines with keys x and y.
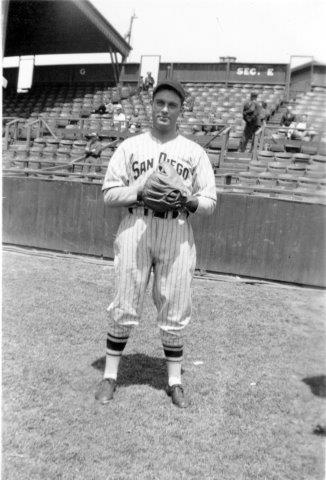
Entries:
{"x":82,"y":71}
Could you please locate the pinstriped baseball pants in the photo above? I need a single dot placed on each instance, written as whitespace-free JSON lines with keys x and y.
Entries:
{"x":166,"y":247}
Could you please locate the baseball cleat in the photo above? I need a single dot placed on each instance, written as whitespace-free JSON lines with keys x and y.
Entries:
{"x":178,"y":397}
{"x":105,"y":390}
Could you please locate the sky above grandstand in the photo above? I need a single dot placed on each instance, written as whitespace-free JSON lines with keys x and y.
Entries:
{"x":204,"y":30}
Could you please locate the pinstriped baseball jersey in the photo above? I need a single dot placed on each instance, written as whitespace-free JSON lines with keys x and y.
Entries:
{"x":137,"y":157}
{"x":146,"y":243}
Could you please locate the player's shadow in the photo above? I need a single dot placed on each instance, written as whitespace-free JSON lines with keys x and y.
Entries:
{"x":139,"y":369}
{"x":317,"y":385}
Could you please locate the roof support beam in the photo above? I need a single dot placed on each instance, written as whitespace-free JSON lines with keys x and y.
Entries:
{"x":114,"y":67}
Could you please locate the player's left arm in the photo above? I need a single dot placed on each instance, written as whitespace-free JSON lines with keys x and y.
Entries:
{"x":203,"y":198}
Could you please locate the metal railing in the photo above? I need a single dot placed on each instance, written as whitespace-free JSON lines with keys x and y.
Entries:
{"x":262,"y":136}
{"x":41,"y":125}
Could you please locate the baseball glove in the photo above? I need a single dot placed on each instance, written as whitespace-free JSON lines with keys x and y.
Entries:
{"x":164,"y":190}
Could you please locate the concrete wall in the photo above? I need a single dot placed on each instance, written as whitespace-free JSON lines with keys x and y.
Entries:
{"x":249,"y":236}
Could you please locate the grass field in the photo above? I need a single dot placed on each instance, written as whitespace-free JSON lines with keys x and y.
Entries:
{"x":254,"y":369}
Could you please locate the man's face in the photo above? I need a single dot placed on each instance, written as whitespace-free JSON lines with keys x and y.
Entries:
{"x":166,"y":109}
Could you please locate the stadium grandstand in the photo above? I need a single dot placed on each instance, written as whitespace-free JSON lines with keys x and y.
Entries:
{"x":46,"y":128}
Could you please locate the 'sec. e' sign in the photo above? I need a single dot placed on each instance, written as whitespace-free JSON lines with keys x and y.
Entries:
{"x":247,"y":71}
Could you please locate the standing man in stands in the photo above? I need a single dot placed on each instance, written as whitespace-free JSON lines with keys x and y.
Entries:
{"x":149,"y":81}
{"x":140,"y":85}
{"x":252,"y":116}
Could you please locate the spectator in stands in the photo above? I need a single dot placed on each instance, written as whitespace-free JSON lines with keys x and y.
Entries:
{"x":264,"y":113}
{"x":134,"y":120}
{"x":212,"y":120}
{"x":119,"y":118}
{"x":100,"y":109}
{"x":140,"y":85}
{"x":196,"y":130}
{"x":109,"y":109}
{"x":133,"y":128}
{"x":287,"y":118}
{"x":188,"y":105}
{"x":148,"y":82}
{"x":252,"y":116}
{"x":299,"y":130}
{"x":94,"y":146}
{"x":206,"y":129}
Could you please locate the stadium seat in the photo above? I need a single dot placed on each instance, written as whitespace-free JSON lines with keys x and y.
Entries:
{"x":315,"y":170}
{"x":287,"y":181}
{"x":257,"y":166}
{"x":301,"y":158}
{"x":267,"y":179}
{"x":283,"y":157}
{"x":265,"y":156}
{"x":248,"y":178}
{"x":277,"y":167}
{"x":309,"y":183}
{"x":276,"y":147}
{"x":296,"y":169}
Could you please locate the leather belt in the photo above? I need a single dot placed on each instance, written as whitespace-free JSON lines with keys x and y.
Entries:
{"x":171,"y":214}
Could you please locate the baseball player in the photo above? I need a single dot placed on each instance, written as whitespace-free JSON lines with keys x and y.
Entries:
{"x":155,"y":241}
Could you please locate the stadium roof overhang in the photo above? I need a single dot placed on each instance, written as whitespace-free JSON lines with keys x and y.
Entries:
{"x":308,"y":65}
{"x":45,"y":27}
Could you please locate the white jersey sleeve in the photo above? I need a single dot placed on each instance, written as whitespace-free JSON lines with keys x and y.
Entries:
{"x":204,"y":183}
{"x":117,"y":171}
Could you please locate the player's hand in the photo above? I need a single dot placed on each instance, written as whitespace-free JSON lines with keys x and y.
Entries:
{"x":192,"y":203}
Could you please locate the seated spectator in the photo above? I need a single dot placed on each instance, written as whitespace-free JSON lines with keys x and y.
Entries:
{"x":287,"y":118}
{"x":148,"y":82}
{"x":206,"y":129}
{"x":135,"y":117}
{"x":299,"y":130}
{"x":119,"y":117}
{"x":100,"y":109}
{"x":133,"y":129}
{"x":109,"y":109}
{"x":196,"y":130}
{"x":94,"y":146}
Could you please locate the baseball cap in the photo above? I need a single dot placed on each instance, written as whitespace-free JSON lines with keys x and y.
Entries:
{"x":172,"y":85}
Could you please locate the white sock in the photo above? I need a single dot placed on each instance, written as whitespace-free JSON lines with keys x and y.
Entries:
{"x":111,"y":366}
{"x":174,"y":372}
